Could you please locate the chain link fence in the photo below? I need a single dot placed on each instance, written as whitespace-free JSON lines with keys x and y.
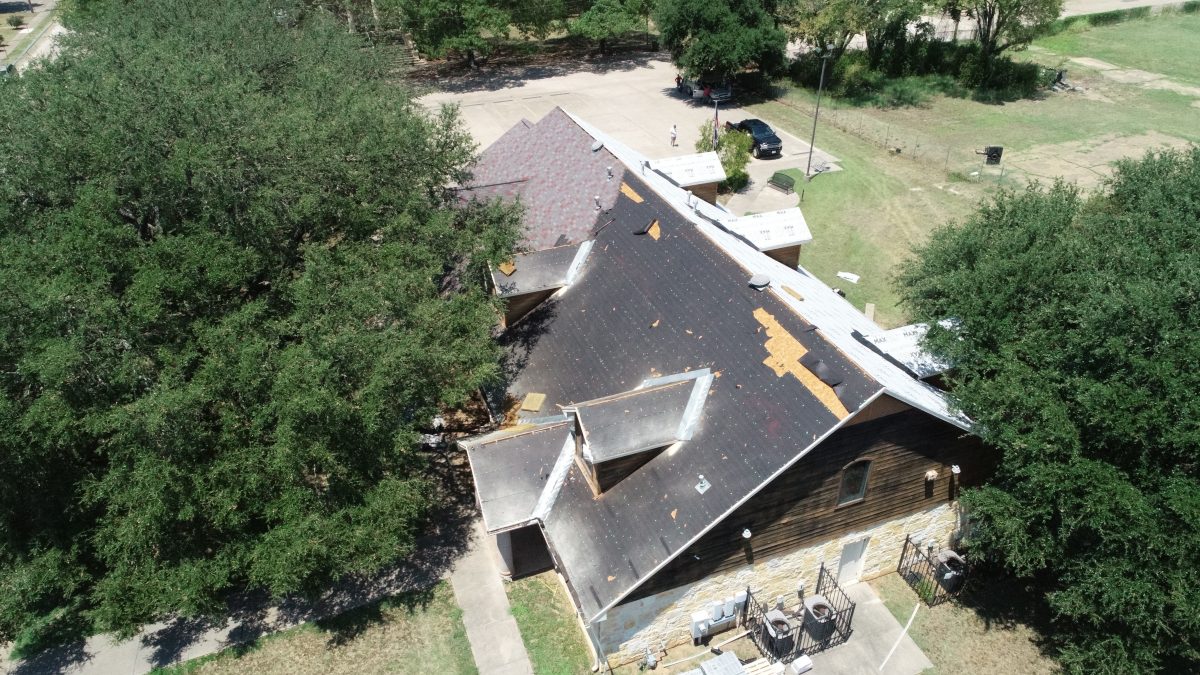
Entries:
{"x":960,"y":163}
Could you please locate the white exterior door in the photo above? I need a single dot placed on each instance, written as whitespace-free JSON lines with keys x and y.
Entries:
{"x":851,"y":565}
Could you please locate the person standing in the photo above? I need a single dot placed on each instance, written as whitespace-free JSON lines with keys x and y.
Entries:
{"x":674,"y":134}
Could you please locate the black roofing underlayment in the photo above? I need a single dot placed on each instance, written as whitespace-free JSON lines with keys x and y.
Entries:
{"x":536,"y":271}
{"x":511,"y":472}
{"x":643,"y":308}
{"x":636,"y":421}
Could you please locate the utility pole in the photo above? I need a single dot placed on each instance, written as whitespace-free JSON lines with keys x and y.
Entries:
{"x":820,"y":87}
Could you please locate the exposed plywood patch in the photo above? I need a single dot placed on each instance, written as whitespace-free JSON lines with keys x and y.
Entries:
{"x":533,"y":402}
{"x":785,"y":352}
{"x":508,"y":267}
{"x":655,"y":231}
{"x":631,"y":193}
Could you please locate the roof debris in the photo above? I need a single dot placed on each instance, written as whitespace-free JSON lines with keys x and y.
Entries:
{"x":629,"y":192}
{"x":508,"y":267}
{"x":785,"y":353}
{"x":533,"y":402}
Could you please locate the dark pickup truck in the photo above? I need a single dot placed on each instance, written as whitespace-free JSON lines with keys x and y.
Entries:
{"x":765,"y":141}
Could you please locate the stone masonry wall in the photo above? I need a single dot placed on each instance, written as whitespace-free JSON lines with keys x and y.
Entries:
{"x":665,"y":619}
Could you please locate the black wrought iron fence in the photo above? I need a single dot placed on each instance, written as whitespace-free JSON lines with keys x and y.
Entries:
{"x":813,"y":624}
{"x":934,"y":577}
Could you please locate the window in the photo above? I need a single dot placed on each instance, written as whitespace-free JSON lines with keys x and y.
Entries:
{"x":854,"y":482}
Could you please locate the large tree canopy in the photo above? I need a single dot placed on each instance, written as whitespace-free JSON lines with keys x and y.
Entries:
{"x":235,"y":290}
{"x":717,"y":38}
{"x":1008,"y":24}
{"x":1076,"y":349}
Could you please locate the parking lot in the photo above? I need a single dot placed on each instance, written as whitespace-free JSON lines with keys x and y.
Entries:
{"x":635,"y":101}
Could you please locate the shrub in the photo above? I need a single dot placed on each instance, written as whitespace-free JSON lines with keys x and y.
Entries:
{"x":16,"y":21}
{"x":1190,"y":7}
{"x":733,"y":147}
{"x":854,"y":79}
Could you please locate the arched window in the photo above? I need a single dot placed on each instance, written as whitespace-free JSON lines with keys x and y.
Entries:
{"x":854,"y":482}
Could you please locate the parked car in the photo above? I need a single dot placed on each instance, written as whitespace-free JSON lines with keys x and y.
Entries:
{"x":766,"y":142}
{"x":702,"y":89}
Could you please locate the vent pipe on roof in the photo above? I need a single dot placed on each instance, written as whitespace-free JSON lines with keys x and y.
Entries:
{"x":597,"y":198}
{"x":597,"y":146}
{"x":760,"y":282}
{"x":610,"y":173}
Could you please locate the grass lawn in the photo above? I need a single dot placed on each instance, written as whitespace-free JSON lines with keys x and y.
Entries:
{"x":1167,"y":44}
{"x":419,"y":632}
{"x":868,"y":217}
{"x":551,"y":632}
{"x":975,"y":634}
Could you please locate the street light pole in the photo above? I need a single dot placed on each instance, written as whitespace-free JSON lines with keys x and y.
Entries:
{"x":820,"y":87}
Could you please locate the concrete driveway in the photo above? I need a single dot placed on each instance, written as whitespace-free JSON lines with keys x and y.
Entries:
{"x":634,"y":100}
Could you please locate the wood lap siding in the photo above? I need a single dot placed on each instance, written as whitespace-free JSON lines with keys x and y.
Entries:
{"x":800,"y":507}
{"x":613,"y":471}
{"x":520,"y":305}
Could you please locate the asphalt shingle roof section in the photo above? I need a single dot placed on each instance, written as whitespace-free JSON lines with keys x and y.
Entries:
{"x":511,"y":471}
{"x":551,"y":168}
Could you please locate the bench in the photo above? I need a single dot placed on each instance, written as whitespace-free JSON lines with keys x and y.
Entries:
{"x":782,"y":182}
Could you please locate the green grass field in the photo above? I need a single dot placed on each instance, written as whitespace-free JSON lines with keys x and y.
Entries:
{"x":867,"y":218}
{"x":1167,"y":44}
{"x":416,"y":632}
{"x":548,"y":626}
{"x":976,"y":635}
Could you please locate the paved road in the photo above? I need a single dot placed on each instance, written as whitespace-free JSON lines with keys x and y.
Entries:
{"x":1078,"y":7}
{"x":43,"y":25}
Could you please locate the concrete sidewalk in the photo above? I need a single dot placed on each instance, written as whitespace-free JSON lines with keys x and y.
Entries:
{"x":879,"y":643}
{"x":495,"y":639}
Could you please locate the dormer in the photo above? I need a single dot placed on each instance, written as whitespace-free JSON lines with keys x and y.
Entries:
{"x":779,"y":234}
{"x":617,"y":435}
{"x":700,"y":173}
{"x":529,"y":279}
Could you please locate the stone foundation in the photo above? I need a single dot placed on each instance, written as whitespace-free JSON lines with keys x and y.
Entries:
{"x":664,"y":620}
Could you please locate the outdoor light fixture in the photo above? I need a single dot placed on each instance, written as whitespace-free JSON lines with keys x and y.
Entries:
{"x":931,"y":475}
{"x":955,"y":470}
{"x":746,"y":533}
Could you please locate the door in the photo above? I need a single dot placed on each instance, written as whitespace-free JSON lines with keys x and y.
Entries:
{"x":851,"y":565}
